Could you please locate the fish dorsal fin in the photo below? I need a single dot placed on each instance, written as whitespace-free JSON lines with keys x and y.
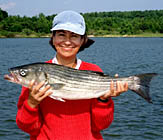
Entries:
{"x":96,"y":73}
{"x":99,"y":73}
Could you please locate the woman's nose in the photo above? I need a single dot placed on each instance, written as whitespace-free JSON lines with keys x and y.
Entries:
{"x":67,"y":40}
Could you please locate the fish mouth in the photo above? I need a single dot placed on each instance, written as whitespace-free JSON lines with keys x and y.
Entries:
{"x":11,"y":77}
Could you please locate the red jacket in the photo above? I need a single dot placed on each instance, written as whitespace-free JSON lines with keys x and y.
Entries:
{"x":70,"y":120}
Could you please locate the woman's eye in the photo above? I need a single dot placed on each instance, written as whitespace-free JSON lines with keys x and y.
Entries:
{"x":61,"y":34}
{"x":74,"y":35}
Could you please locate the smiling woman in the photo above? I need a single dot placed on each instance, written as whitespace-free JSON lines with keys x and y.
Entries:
{"x":46,"y":118}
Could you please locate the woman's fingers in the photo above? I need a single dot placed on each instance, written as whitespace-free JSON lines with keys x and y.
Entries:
{"x":42,"y":92}
{"x":116,"y":90}
{"x":31,"y":84}
{"x":126,"y":86}
{"x":38,"y":87}
{"x":120,"y":88}
{"x":37,"y":93}
{"x":112,"y":87}
{"x":47,"y":93}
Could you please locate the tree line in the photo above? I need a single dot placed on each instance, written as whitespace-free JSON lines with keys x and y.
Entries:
{"x":98,"y":23}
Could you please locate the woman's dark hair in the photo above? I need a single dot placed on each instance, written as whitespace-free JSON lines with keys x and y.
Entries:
{"x":87,"y":42}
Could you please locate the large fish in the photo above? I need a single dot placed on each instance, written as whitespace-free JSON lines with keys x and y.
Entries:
{"x":72,"y":84}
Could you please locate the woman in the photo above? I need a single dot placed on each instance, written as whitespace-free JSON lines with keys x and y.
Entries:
{"x":47,"y":119}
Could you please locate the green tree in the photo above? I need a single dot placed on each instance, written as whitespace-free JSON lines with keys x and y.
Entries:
{"x":3,"y":14}
{"x":98,"y":23}
{"x":42,"y":24}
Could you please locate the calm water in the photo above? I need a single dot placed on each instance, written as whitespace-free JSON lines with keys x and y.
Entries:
{"x":135,"y":119}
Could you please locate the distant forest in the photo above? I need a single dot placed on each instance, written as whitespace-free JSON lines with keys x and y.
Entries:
{"x":98,"y":23}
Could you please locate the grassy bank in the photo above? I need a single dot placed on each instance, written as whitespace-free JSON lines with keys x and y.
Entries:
{"x":136,"y":35}
{"x":5,"y":34}
{"x":38,"y":35}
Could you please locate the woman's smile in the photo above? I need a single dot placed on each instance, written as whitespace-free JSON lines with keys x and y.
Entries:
{"x":67,"y":48}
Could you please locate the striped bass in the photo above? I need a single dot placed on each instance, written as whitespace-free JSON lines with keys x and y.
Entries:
{"x":71,"y":84}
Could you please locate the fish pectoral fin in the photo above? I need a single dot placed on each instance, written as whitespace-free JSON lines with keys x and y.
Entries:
{"x":57,"y":86}
{"x":56,"y":98}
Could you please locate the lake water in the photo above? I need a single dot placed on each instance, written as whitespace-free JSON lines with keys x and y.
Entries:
{"x":134,"y":118}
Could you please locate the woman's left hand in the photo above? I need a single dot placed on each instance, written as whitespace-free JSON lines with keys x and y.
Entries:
{"x":120,"y":88}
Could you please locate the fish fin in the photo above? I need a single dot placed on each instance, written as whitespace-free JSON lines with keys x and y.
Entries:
{"x":57,"y":86}
{"x":100,"y":73}
{"x":56,"y":98}
{"x":141,"y":84}
{"x":96,"y":72}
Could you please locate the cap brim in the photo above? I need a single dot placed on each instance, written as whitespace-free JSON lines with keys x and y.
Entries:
{"x":75,"y":28}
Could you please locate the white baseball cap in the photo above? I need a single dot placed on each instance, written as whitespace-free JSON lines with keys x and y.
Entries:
{"x":70,"y":21}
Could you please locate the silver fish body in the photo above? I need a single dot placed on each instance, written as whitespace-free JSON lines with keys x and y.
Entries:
{"x":72,"y":84}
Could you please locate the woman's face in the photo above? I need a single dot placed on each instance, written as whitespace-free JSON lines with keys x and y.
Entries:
{"x":67,"y":43}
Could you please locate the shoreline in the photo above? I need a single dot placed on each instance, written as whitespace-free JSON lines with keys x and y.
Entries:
{"x":108,"y":35}
{"x":137,"y":35}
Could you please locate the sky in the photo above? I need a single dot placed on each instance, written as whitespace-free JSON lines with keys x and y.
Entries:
{"x":48,"y":7}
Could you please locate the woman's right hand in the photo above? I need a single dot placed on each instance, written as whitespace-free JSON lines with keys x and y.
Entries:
{"x":36,"y":94}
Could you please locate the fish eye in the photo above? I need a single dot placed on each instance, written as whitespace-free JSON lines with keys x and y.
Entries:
{"x":23,"y":72}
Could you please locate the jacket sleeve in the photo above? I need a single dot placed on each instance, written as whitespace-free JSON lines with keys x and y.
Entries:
{"x":28,"y":119}
{"x":102,"y":114}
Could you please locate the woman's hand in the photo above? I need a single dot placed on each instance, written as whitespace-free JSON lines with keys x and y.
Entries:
{"x":36,"y":94}
{"x":120,"y":88}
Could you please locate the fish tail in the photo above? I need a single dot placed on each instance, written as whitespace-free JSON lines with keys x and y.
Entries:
{"x":140,"y":85}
